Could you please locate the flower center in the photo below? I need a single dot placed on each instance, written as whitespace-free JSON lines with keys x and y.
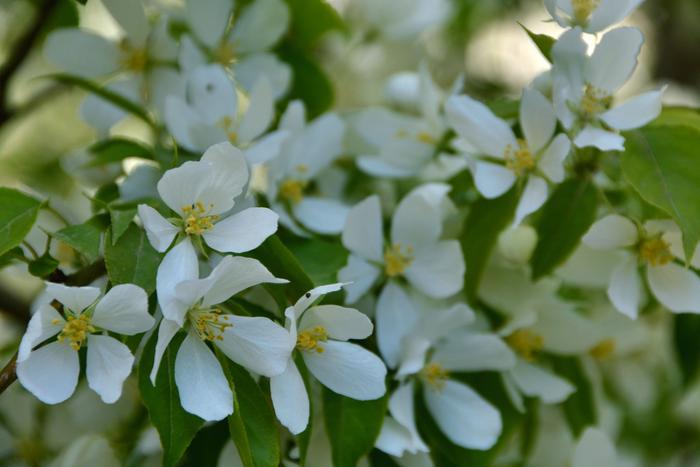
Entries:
{"x":421,"y":136}
{"x":603,"y":349}
{"x":309,"y":339}
{"x":526,"y":343}
{"x":397,"y":259}
{"x":655,"y":252}
{"x":520,"y":160}
{"x":227,"y":124}
{"x":75,"y":331}
{"x":209,"y":323}
{"x":435,"y":375}
{"x":225,"y":54}
{"x":292,"y":190}
{"x":196,"y":220}
{"x":133,"y":58}
{"x":594,"y":101}
{"x":583,"y":9}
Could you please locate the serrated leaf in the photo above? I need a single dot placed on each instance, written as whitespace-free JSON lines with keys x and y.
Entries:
{"x":18,"y":213}
{"x":563,"y":220}
{"x":543,"y":42}
{"x":579,"y":408}
{"x":175,"y":426}
{"x":352,"y":426}
{"x":486,"y":219}
{"x":132,"y":259}
{"x":85,"y":238}
{"x":661,"y":163}
{"x":117,"y":149}
{"x":121,"y":219}
{"x":43,"y":266}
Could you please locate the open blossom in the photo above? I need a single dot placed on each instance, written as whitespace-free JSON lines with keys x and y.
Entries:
{"x":655,"y":246}
{"x":591,"y":15}
{"x":416,"y":251}
{"x":320,"y":334}
{"x":51,"y":371}
{"x":584,"y":88}
{"x":538,"y":157}
{"x":257,"y":343}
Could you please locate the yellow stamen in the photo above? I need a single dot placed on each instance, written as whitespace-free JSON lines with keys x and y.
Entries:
{"x":196,"y":220}
{"x":435,"y":375}
{"x":603,"y":349}
{"x":526,"y":343}
{"x":225,"y":54}
{"x":425,"y":137}
{"x":133,"y":58}
{"x":397,"y":259}
{"x":519,"y":160}
{"x":292,"y":190}
{"x":209,"y":323}
{"x":583,"y":9}
{"x":310,"y":339}
{"x":75,"y":330}
{"x":655,"y":251}
{"x":594,"y":101}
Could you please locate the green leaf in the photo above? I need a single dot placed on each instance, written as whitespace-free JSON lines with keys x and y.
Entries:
{"x":85,"y":238}
{"x":310,"y":83}
{"x":579,"y":409}
{"x":253,"y":424}
{"x":121,"y":218}
{"x":310,"y":20}
{"x":564,"y":219}
{"x":17,"y":216}
{"x":43,"y":266}
{"x":114,"y":98}
{"x":7,"y":257}
{"x":206,"y":446}
{"x":320,"y":259}
{"x":117,"y":149}
{"x":282,"y":263}
{"x":543,"y":42}
{"x":678,"y":116}
{"x":661,"y":163}
{"x":352,"y":426}
{"x":132,"y":259}
{"x":486,"y":219}
{"x":686,"y":329}
{"x":175,"y":426}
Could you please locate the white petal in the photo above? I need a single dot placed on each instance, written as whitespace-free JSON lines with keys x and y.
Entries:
{"x":179,"y":119}
{"x":611,"y":232}
{"x":194,"y":176}
{"x":402,"y":409}
{"x":601,"y":139}
{"x":190,"y":55}
{"x":166,"y":332}
{"x":474,"y":352}
{"x":533,"y":197}
{"x":537,"y":119}
{"x":434,"y":326}
{"x":614,"y":59}
{"x":610,"y":12}
{"x":625,"y":290}
{"x":212,"y":93}
{"x":382,"y":168}
{"x":45,"y":322}
{"x":290,"y":400}
{"x":165,"y":82}
{"x":359,"y":275}
{"x":340,"y":322}
{"x":535,"y":381}
{"x":50,"y":372}
{"x":396,"y":317}
{"x":200,"y":381}
{"x":178,"y":265}
{"x":394,"y":438}
{"x":131,"y":17}
{"x":362,"y":233}
{"x":569,"y":59}
{"x":552,"y":161}
{"x":635,"y":112}
{"x":676,"y":287}
{"x":323,"y":215}
{"x":209,"y":19}
{"x":75,"y":298}
{"x":124,"y":309}
{"x":463,"y":416}
{"x":414,"y":353}
{"x":260,"y":111}
{"x":228,"y":176}
{"x":476,"y":123}
{"x":81,"y":53}
{"x":242,"y":231}
{"x":306,"y":300}
{"x":160,"y":232}
{"x":255,"y":66}
{"x":260,"y":25}
{"x":259,"y":344}
{"x":492,"y":180}
{"x":416,"y":222}
{"x":594,"y":448}
{"x":438,"y":270}
{"x":348,"y":369}
{"x":266,"y":148}
{"x":109,"y":363}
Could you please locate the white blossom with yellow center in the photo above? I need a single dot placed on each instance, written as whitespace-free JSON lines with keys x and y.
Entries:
{"x":591,"y":15}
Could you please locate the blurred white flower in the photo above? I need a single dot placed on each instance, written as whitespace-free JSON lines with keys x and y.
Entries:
{"x":591,"y":15}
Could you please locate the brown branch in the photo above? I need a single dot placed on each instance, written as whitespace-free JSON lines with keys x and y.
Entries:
{"x":8,"y":375}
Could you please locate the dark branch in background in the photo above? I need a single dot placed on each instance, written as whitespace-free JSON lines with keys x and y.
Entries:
{"x":21,"y":50}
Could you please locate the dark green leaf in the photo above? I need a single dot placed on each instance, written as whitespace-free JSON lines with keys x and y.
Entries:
{"x":661,"y":163}
{"x":280,"y":261}
{"x":105,"y":195}
{"x":84,"y":238}
{"x":310,"y":20}
{"x":564,"y":219}
{"x":117,"y":149}
{"x":378,"y":458}
{"x":686,"y":329}
{"x":7,"y":257}
{"x":543,"y":42}
{"x":43,"y":266}
{"x":486,"y":219}
{"x":206,"y":446}
{"x":132,"y":259}
{"x":352,"y":426}
{"x":17,"y":216}
{"x":175,"y":426}
{"x":121,"y":218}
{"x":309,"y":82}
{"x":579,"y":409}
{"x":320,"y":259}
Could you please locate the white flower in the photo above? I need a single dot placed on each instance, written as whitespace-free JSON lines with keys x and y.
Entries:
{"x":591,"y":15}
{"x":594,"y":447}
{"x":51,"y":371}
{"x":200,"y":193}
{"x":244,"y":47}
{"x":402,"y":19}
{"x":584,"y":88}
{"x":256,"y":343}
{"x":302,"y":165}
{"x":416,"y":251}
{"x":211,"y":113}
{"x":654,"y":246}
{"x":321,"y":339}
{"x":537,"y":157}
